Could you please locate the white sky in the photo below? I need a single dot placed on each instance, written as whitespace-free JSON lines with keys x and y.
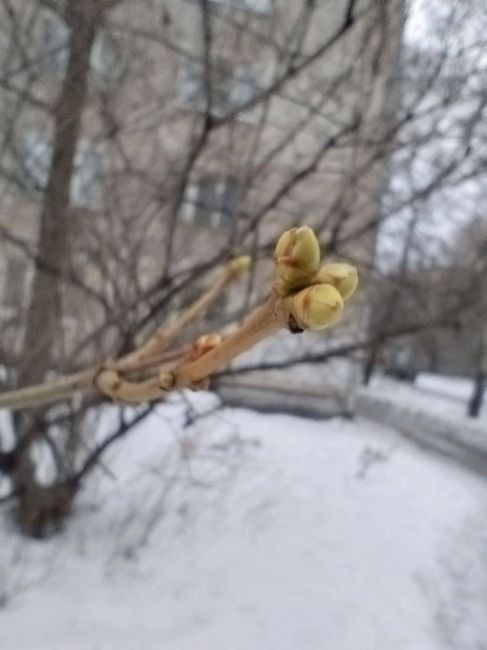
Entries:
{"x":453,"y":208}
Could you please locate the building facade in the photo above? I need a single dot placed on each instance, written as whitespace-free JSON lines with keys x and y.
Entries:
{"x":203,"y":133}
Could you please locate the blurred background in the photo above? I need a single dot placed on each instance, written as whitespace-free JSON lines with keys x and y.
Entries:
{"x":329,"y":490}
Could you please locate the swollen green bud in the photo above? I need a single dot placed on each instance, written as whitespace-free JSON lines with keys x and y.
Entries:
{"x":315,"y":307}
{"x":297,"y":256}
{"x":342,"y":276}
{"x":301,"y":246}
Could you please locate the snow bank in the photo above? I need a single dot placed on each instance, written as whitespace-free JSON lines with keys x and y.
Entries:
{"x":459,"y":388}
{"x":434,"y":417}
{"x":258,"y":532}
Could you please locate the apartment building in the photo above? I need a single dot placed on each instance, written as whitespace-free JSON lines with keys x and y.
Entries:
{"x":213,"y":134}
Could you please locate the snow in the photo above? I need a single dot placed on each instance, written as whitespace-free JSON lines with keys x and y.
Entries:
{"x":457,"y":388}
{"x":438,"y":395}
{"x":262,"y":532}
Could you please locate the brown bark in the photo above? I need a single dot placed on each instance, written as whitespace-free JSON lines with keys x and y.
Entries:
{"x":41,"y":508}
{"x":43,"y":317}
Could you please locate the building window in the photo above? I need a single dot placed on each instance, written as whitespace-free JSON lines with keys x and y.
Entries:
{"x":86,"y":179}
{"x":54,"y":44}
{"x":35,"y":160}
{"x":191,"y":85}
{"x":105,"y":59}
{"x":212,"y":203}
{"x":14,"y":277}
{"x":105,"y":62}
{"x":230,"y":87}
{"x":245,"y":85}
{"x":228,"y":204}
{"x":255,"y":6}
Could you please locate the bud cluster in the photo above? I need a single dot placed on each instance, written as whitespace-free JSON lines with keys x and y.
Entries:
{"x":314,"y":296}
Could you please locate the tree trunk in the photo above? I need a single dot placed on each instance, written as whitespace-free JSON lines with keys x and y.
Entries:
{"x":369,"y":366}
{"x":41,"y":508}
{"x":477,"y":399}
{"x":434,"y":362}
{"x":480,"y":381}
{"x":43,"y":323}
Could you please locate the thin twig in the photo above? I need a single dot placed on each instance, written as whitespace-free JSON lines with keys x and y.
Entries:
{"x":103,"y":375}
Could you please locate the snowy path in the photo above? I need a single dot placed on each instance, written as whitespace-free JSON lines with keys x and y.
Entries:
{"x":271,"y":540}
{"x":445,"y":397}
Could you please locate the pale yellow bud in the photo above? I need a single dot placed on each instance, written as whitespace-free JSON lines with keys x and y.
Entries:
{"x":301,"y":246}
{"x":284,"y":244}
{"x":316,"y":307}
{"x":240,"y":265}
{"x":297,"y":256}
{"x":344,"y":277}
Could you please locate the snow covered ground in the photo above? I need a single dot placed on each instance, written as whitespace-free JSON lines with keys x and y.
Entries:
{"x":257,"y":532}
{"x":457,"y":388}
{"x":438,"y":395}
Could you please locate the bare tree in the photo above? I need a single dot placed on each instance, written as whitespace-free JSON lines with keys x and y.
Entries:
{"x":143,"y":147}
